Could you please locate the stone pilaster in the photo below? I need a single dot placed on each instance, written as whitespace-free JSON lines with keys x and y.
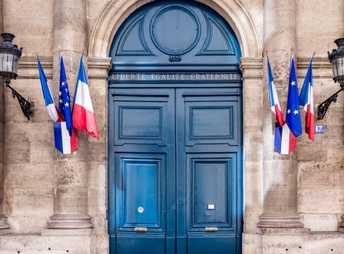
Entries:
{"x":280,"y":171}
{"x":71,"y":171}
{"x":253,"y":142}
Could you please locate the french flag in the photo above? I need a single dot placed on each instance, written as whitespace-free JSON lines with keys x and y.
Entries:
{"x":63,"y":142}
{"x":83,"y":114}
{"x":274,"y":103}
{"x":49,"y":101}
{"x":306,"y":100}
{"x":285,"y":141}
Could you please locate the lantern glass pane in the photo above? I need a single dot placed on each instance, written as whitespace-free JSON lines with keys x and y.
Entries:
{"x":334,"y":64}
{"x":340,"y":66}
{"x":15,"y":64}
{"x":6,"y":63}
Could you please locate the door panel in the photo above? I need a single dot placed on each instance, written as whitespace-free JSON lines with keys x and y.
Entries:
{"x":142,"y":117}
{"x":142,"y":180}
{"x":141,"y":203}
{"x":210,"y":193}
{"x":211,"y":116}
{"x":208,"y":172}
{"x":141,"y":175}
{"x":211,"y":203}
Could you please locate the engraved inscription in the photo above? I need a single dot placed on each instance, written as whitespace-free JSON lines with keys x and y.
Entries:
{"x":175,"y":76}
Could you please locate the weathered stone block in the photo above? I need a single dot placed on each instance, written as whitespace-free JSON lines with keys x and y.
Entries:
{"x":71,"y":173}
{"x":33,"y":202}
{"x":311,"y":152}
{"x":28,"y":224}
{"x":71,"y":200}
{"x":100,"y":224}
{"x":97,"y":200}
{"x":255,"y":153}
{"x":321,"y":222}
{"x":251,"y":220}
{"x":97,"y":176}
{"x":253,"y":116}
{"x":46,"y":244}
{"x":30,"y":176}
{"x":42,"y":152}
{"x":254,"y":95}
{"x":18,"y":153}
{"x":317,"y":174}
{"x":97,"y":152}
{"x":251,"y":243}
{"x":320,"y":200}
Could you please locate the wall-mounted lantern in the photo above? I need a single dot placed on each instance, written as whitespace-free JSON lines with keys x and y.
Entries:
{"x":9,"y":61}
{"x":336,"y":58}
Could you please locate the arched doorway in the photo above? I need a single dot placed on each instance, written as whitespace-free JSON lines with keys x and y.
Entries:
{"x":175,"y":132}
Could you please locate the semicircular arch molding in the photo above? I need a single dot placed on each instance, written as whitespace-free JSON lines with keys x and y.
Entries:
{"x":114,"y":14}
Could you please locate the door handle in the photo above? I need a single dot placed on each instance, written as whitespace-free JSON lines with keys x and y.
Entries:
{"x":141,"y":229}
{"x":211,"y":229}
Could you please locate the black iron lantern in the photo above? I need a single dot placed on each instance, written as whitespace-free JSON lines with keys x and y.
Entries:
{"x":337,"y":61}
{"x":9,"y":61}
{"x":336,"y":58}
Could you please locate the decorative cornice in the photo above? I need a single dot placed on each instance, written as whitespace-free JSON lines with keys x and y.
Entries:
{"x":318,"y":63}
{"x":321,"y":67}
{"x":98,"y":67}
{"x":252,"y":68}
{"x":251,"y":62}
{"x":28,"y":68}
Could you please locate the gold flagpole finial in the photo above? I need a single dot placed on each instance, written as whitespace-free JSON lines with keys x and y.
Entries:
{"x":313,"y":55}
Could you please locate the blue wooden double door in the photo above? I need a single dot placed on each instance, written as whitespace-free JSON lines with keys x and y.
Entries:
{"x":175,"y":169}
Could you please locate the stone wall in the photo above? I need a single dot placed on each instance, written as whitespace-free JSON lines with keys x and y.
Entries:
{"x":289,"y":200}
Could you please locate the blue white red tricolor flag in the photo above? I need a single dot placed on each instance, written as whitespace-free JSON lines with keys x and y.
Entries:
{"x":285,"y":141}
{"x":63,"y":142}
{"x":306,"y":100}
{"x":49,"y":101}
{"x":274,"y":103}
{"x":66,"y":139}
{"x":293,"y":118}
{"x":83,"y":114}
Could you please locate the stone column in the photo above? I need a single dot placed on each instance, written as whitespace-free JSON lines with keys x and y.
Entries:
{"x":4,"y":227}
{"x":280,"y":171}
{"x":71,"y":171}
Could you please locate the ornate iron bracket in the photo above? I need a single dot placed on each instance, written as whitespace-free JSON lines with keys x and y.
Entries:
{"x":24,"y":104}
{"x":322,"y":108}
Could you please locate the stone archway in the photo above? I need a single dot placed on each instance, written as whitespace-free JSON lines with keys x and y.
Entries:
{"x":251,"y":65}
{"x":116,"y":12}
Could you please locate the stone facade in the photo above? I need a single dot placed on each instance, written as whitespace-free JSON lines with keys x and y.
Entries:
{"x":53,"y":203}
